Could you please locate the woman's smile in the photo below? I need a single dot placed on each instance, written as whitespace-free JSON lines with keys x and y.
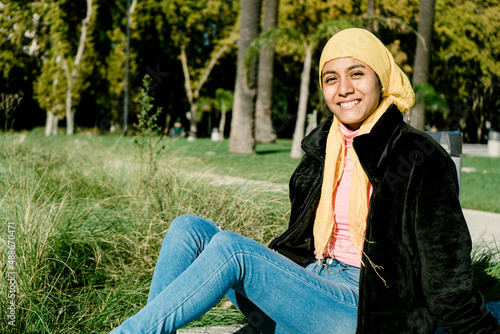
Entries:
{"x":350,"y":104}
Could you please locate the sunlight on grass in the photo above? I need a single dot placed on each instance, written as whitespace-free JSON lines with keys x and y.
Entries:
{"x":88,"y":227}
{"x":480,"y":187}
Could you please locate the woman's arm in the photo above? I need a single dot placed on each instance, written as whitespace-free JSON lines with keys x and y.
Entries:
{"x":444,"y":245}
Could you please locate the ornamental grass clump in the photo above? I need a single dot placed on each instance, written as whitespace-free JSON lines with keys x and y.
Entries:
{"x":87,"y":240}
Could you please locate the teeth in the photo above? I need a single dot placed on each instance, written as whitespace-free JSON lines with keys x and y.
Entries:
{"x":349,"y":104}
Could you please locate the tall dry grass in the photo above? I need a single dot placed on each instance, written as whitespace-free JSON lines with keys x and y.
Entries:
{"x":89,"y":221}
{"x":88,"y":230}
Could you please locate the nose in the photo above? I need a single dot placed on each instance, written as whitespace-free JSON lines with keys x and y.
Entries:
{"x":345,"y":87}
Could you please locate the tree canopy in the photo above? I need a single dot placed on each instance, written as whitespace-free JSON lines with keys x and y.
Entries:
{"x":38,"y":37}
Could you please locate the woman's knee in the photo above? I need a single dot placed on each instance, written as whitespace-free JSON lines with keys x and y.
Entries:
{"x":230,"y":241}
{"x":189,"y":225}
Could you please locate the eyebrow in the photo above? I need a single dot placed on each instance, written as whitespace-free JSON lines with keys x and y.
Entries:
{"x":348,"y":69}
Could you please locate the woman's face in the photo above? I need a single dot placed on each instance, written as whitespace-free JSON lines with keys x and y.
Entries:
{"x":351,"y":90}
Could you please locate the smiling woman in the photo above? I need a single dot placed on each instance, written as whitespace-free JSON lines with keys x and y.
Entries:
{"x":377,"y":242}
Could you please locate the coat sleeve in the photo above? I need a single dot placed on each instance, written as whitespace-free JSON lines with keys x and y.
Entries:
{"x":444,"y":247}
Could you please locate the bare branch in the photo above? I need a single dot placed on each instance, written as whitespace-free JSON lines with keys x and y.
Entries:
{"x":208,"y":69}
{"x":187,"y":78}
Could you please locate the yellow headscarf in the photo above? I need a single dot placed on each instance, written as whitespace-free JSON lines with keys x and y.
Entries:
{"x":361,"y":45}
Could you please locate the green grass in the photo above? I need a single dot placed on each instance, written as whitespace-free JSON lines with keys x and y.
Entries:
{"x":89,"y":223}
{"x":481,"y":188}
{"x":270,"y":163}
{"x":88,"y":227}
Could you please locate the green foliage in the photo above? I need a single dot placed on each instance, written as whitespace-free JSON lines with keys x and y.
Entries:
{"x":8,"y":104}
{"x":486,"y":269}
{"x":61,"y":40}
{"x":201,"y":26}
{"x":191,"y":21}
{"x":465,"y":60}
{"x":291,"y":39}
{"x":224,"y":100}
{"x":50,"y":86}
{"x":436,"y":108}
{"x":471,"y":46}
{"x":114,"y":69}
{"x":464,"y":56}
{"x":406,"y":10}
{"x":203,"y":104}
{"x":18,"y":27}
{"x":306,"y":16}
{"x":149,"y":136}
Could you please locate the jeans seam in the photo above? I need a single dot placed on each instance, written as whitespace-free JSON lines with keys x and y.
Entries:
{"x":298,"y":277}
{"x":233,"y":255}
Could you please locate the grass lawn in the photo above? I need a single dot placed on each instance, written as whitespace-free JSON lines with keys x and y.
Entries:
{"x":87,"y":220}
{"x":481,"y":187}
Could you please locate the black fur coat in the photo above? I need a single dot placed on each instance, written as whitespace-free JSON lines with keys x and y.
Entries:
{"x":415,"y":232}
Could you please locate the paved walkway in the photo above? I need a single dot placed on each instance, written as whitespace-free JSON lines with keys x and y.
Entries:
{"x":475,"y":149}
{"x":484,"y":227}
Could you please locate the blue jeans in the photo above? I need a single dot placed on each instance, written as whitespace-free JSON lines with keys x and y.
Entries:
{"x":199,"y":264}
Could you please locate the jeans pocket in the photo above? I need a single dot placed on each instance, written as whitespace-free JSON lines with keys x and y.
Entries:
{"x":351,"y":275}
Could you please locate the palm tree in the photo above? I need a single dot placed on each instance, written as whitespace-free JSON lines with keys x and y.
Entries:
{"x":308,"y":44}
{"x":422,"y":56}
{"x":241,"y":138}
{"x":224,"y":101}
{"x":264,"y":131}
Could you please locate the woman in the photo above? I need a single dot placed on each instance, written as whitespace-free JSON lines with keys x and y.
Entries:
{"x":377,"y":242}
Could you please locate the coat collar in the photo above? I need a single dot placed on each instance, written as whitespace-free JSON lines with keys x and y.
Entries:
{"x":373,"y":148}
{"x":314,"y":143}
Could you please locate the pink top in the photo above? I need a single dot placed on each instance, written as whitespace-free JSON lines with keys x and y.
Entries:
{"x":343,"y":249}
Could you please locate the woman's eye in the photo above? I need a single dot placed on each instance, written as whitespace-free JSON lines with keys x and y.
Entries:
{"x":330,"y":80}
{"x":357,"y":74}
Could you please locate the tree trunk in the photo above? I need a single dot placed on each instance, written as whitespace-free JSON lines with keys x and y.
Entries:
{"x":70,"y":122}
{"x":222,"y":124}
{"x":69,"y":96}
{"x":264,"y":131}
{"x":189,"y":94}
{"x":298,"y":134}
{"x":370,"y":9}
{"x":193,"y":125}
{"x":55,"y":124}
{"x":241,"y":138}
{"x":49,"y":122}
{"x":422,"y":57}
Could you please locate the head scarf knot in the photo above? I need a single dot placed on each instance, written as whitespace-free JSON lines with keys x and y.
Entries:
{"x":361,"y":45}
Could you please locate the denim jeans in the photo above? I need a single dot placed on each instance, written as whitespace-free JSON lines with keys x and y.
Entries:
{"x":199,"y":264}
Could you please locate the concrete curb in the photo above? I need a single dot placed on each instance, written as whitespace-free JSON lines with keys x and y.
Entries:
{"x":234,"y":329}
